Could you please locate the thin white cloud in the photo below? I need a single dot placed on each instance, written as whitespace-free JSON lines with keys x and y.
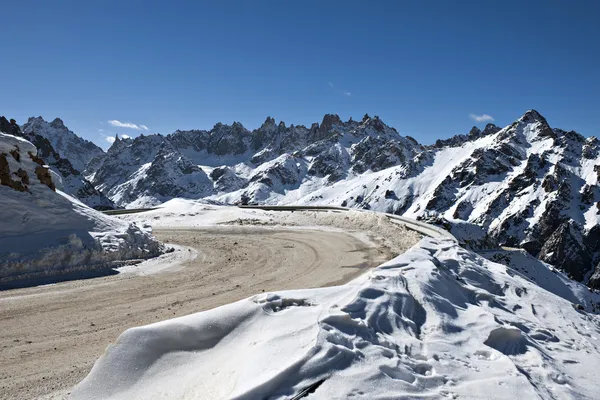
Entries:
{"x":481,"y":118}
{"x":348,"y":93}
{"x":110,"y":139}
{"x":330,"y":84}
{"x":125,"y":136}
{"x":128,"y":125}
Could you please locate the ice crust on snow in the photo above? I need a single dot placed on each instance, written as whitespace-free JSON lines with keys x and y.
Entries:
{"x":436,"y":322}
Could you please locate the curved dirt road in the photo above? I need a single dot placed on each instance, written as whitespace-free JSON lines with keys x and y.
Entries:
{"x":52,"y":335}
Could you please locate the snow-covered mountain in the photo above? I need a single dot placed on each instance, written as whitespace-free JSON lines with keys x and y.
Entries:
{"x":67,"y":178}
{"x":63,"y":235}
{"x":70,"y":146}
{"x":526,"y":185}
{"x":263,"y":165}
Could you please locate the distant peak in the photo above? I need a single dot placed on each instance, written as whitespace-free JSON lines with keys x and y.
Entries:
{"x":475,"y":131}
{"x":57,"y":123}
{"x":532,"y":116}
{"x":490,"y":129}
{"x":270,"y":121}
{"x":330,"y":119}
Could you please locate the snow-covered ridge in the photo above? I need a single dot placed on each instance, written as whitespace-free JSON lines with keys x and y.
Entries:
{"x":526,"y":185}
{"x":70,"y":146}
{"x":45,"y":232}
{"x":436,"y":322}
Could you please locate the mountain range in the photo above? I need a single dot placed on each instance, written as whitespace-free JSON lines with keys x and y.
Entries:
{"x":526,"y":185}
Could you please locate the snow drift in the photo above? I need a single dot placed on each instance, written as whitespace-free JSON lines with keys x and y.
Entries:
{"x":46,"y":233}
{"x":436,"y":322}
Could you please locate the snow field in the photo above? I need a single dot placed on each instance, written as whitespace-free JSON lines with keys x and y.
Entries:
{"x":435,"y":322}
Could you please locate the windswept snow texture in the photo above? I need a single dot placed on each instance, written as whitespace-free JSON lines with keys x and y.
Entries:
{"x":436,"y":322}
{"x":46,"y":233}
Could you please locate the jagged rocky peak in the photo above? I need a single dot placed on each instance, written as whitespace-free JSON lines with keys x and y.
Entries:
{"x":57,"y":123}
{"x":329,"y":122}
{"x":532,"y":116}
{"x":459,"y":140}
{"x":376,"y":123}
{"x":536,"y":123}
{"x":269,"y":123}
{"x":490,"y":129}
{"x":9,"y":126}
{"x":474,"y":132}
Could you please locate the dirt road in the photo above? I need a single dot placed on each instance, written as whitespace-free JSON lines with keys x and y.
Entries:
{"x":52,"y":335}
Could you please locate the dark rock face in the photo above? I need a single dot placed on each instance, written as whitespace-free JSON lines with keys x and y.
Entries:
{"x":565,"y":250}
{"x":225,"y":180}
{"x":9,"y":127}
{"x":377,"y":153}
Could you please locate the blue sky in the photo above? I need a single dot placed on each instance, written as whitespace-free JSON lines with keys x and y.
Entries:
{"x":425,"y":67}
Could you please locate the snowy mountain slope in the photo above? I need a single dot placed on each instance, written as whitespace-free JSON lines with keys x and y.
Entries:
{"x":526,"y":185}
{"x":436,"y":322}
{"x":67,"y":178}
{"x":149,"y":170}
{"x":70,"y":146}
{"x":271,"y":160}
{"x":62,"y":234}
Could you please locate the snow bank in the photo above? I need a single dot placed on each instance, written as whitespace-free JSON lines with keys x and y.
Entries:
{"x":367,"y":226}
{"x":46,"y":233}
{"x":436,"y":322}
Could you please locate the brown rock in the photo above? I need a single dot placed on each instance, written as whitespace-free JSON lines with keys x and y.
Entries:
{"x":4,"y":171}
{"x":36,"y":159}
{"x":44,"y":176}
{"x":16,"y":155}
